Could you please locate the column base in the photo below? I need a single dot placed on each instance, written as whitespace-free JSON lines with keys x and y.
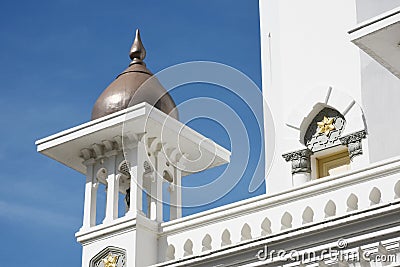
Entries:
{"x":301,"y":178}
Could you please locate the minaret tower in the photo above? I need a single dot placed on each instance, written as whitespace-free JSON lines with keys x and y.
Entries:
{"x":133,"y":145}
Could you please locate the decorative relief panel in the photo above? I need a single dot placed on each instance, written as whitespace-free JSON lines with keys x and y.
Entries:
{"x":109,"y":257}
{"x":324,"y":130}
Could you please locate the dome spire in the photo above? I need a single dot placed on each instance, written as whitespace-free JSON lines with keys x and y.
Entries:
{"x":123,"y":92}
{"x":137,"y":53}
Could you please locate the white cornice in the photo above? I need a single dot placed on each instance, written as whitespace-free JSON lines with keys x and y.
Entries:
{"x":66,"y":146}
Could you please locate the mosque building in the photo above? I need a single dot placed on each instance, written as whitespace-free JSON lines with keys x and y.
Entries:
{"x":331,"y":77}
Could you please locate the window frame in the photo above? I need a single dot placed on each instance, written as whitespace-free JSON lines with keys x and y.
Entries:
{"x":337,"y":153}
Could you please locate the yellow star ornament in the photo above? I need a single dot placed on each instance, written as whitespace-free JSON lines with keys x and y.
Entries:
{"x":325,"y":126}
{"x":110,"y":261}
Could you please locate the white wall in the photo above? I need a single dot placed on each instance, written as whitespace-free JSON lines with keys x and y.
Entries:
{"x":304,"y":45}
{"x":367,"y":9}
{"x":380,"y":92}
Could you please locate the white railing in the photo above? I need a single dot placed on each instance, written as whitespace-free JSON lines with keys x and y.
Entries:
{"x":317,"y":201}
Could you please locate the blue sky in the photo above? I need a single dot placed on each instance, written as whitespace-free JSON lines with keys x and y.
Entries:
{"x":57,"y":57}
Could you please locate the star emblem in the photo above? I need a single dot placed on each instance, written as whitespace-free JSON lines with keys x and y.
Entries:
{"x":110,"y":261}
{"x":325,"y":126}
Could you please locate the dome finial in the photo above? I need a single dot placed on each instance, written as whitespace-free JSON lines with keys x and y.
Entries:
{"x":137,"y":53}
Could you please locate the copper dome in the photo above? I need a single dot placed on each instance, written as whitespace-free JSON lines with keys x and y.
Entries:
{"x":124,"y":91}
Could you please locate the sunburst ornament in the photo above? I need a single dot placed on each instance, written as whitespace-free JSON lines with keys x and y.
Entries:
{"x":325,"y":126}
{"x":110,"y":261}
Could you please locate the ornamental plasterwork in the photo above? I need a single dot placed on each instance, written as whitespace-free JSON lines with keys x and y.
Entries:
{"x":110,"y":260}
{"x":354,"y":137}
{"x":354,"y":143}
{"x":109,"y":257}
{"x":300,"y":160}
{"x":324,"y":130}
{"x":326,"y":126}
{"x":104,"y":149}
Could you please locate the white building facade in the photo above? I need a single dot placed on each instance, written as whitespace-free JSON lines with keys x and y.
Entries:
{"x":331,"y":76}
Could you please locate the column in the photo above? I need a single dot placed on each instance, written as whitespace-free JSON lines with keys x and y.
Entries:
{"x":301,"y":165}
{"x":112,"y":191}
{"x":89,"y":212}
{"x":176,"y":194}
{"x":140,"y":171}
{"x":156,"y":205}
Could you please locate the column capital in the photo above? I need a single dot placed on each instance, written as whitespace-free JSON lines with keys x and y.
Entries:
{"x":353,"y":137}
{"x":300,"y":160}
{"x":353,"y":142}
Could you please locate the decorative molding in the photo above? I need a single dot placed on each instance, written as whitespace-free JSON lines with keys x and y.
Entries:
{"x":324,"y":130}
{"x":147,"y":167}
{"x":98,"y":150}
{"x":326,"y":126}
{"x":106,"y":148}
{"x":109,"y":257}
{"x":110,"y":260}
{"x":354,"y":143}
{"x":354,"y":137}
{"x":300,"y":160}
{"x":154,"y":144}
{"x":118,"y":142}
{"x":108,"y":145}
{"x":124,"y":168}
{"x":173,"y":154}
{"x":87,"y":153}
